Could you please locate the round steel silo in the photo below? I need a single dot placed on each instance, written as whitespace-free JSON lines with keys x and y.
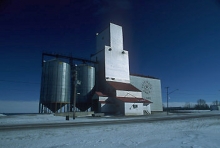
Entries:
{"x":55,"y":85}
{"x":86,"y":76}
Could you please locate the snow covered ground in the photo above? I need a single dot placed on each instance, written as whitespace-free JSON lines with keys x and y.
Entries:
{"x":190,"y":133}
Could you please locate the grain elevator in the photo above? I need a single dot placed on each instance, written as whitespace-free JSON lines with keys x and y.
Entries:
{"x":106,"y":86}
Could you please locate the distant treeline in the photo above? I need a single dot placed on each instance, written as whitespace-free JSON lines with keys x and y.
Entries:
{"x":201,"y":105}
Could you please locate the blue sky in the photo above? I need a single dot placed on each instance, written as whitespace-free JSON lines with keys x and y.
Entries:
{"x":177,"y":41}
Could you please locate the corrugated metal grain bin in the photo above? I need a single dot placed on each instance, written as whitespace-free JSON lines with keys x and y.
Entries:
{"x":86,"y":75}
{"x":55,"y":85}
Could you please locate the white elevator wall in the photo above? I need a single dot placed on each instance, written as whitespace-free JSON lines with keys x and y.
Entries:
{"x":151,"y":90}
{"x":117,"y":66}
{"x":128,"y":94}
{"x":116,"y":37}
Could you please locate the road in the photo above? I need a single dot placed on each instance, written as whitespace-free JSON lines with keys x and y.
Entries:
{"x":121,"y":120}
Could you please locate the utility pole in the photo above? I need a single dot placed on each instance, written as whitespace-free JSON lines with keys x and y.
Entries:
{"x":167,"y":98}
{"x":71,"y":85}
{"x":74,"y":93}
{"x":168,"y":95}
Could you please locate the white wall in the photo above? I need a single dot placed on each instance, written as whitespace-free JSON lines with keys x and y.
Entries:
{"x":131,"y":94}
{"x":117,"y":65}
{"x":116,"y":37}
{"x":147,"y":108}
{"x":115,"y":57}
{"x":130,"y":110}
{"x":151,"y":90}
{"x":112,"y":36}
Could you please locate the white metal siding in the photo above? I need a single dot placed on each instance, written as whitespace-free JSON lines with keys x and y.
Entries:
{"x":147,"y":108}
{"x":132,"y":94}
{"x":130,"y":110}
{"x":151,"y":90}
{"x":115,"y":57}
{"x":116,"y":37}
{"x":117,"y":66}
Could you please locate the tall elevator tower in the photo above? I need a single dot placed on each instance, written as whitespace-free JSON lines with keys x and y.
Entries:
{"x":112,"y":58}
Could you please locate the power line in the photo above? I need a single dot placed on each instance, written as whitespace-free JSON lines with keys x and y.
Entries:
{"x":18,"y":90}
{"x":19,"y":82}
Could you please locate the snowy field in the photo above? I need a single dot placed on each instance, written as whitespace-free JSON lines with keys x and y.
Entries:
{"x":190,"y":133}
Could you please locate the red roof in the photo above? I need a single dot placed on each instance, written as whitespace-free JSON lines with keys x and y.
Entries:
{"x":100,"y":94}
{"x":123,"y":86}
{"x":133,"y":100}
